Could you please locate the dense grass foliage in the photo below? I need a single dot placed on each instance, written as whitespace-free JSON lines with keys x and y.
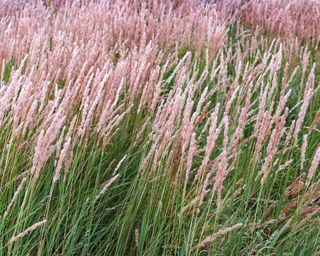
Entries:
{"x":159,"y":128}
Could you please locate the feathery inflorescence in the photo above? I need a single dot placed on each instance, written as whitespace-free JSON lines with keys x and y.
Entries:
{"x":181,"y":117}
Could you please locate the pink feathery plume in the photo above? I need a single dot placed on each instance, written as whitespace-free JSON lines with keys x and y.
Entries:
{"x":314,"y":166}
{"x":222,"y":167}
{"x":305,"y":103}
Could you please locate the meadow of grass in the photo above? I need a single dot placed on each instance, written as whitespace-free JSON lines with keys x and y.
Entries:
{"x":143,"y":127}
